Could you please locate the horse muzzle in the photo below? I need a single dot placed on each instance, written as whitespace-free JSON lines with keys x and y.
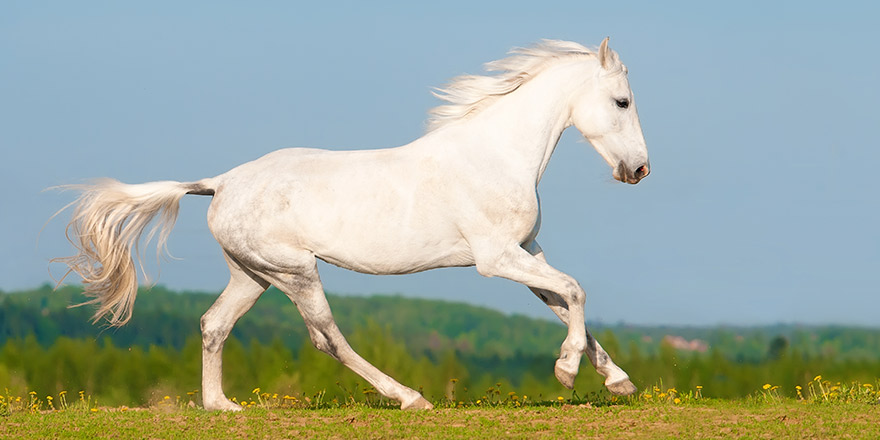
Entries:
{"x":624,"y":174}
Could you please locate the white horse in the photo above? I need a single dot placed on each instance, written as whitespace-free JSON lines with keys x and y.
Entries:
{"x":465,"y":194}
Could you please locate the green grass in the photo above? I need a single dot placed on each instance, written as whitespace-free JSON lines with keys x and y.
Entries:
{"x":822,"y":410}
{"x":632,"y":418}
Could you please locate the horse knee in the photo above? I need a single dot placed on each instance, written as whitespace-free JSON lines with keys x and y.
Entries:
{"x":579,"y":296}
{"x":213,"y":334}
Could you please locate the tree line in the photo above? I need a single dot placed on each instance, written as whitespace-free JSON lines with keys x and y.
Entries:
{"x":47,"y":348}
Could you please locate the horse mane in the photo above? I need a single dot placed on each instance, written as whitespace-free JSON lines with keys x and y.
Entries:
{"x":469,"y":94}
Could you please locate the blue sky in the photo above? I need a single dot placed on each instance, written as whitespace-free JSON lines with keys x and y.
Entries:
{"x":760,"y":117}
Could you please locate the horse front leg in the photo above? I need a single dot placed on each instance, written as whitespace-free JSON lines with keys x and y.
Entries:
{"x":616,"y":380}
{"x":514,"y":263}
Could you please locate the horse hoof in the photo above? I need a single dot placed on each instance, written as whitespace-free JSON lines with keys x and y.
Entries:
{"x":223,"y":405}
{"x":623,"y":387}
{"x":419,"y":403}
{"x":565,"y":377}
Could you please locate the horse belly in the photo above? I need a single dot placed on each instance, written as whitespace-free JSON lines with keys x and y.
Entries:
{"x":381,"y":247}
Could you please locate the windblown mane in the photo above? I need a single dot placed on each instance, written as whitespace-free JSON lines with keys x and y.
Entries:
{"x":468,"y":94}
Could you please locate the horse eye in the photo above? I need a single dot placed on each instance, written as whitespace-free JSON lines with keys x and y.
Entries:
{"x":622,"y":103}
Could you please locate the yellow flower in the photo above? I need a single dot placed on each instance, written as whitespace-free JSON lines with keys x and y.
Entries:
{"x":677,"y":400}
{"x":767,"y":386}
{"x":867,"y":385}
{"x":699,"y":387}
{"x":798,"y":387}
{"x":661,"y":395}
{"x":167,"y":397}
{"x":256,"y":390}
{"x":817,"y":378}
{"x":48,"y":397}
{"x":62,"y":393}
{"x":560,"y":398}
{"x":94,"y":409}
{"x":647,"y":396}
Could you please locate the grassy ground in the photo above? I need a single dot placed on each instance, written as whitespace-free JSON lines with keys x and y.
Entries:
{"x":781,"y":418}
{"x":822,"y":410}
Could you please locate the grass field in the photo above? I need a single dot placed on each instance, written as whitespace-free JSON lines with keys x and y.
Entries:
{"x":708,"y":419}
{"x":822,"y":410}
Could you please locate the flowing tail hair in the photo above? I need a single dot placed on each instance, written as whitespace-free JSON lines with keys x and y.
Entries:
{"x":109,"y":219}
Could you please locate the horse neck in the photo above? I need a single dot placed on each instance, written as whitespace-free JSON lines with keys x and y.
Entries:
{"x":523,"y":128}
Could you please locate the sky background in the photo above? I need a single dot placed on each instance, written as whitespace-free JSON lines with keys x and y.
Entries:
{"x":760,"y":117}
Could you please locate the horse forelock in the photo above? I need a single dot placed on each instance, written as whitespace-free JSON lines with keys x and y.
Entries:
{"x":468,"y":94}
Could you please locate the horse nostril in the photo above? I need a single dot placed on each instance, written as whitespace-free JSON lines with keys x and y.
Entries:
{"x":641,"y":172}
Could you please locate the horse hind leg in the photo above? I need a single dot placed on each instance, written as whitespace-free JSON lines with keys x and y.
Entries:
{"x":241,"y":293}
{"x":303,"y":287}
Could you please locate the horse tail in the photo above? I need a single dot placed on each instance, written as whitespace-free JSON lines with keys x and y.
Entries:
{"x":108,"y":222}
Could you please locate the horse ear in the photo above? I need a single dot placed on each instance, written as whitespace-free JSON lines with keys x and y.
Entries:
{"x":604,"y":54}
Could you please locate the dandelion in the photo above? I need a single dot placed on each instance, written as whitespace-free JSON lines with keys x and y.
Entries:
{"x":767,"y":386}
{"x":94,"y":409}
{"x":560,"y":398}
{"x":167,"y":397}
{"x":677,"y":400}
{"x":867,"y":385}
{"x":699,"y":387}
{"x":256,"y":390}
{"x":798,"y":387}
{"x":817,"y":378}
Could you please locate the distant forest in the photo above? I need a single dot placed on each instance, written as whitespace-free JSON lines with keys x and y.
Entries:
{"x":48,"y":347}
